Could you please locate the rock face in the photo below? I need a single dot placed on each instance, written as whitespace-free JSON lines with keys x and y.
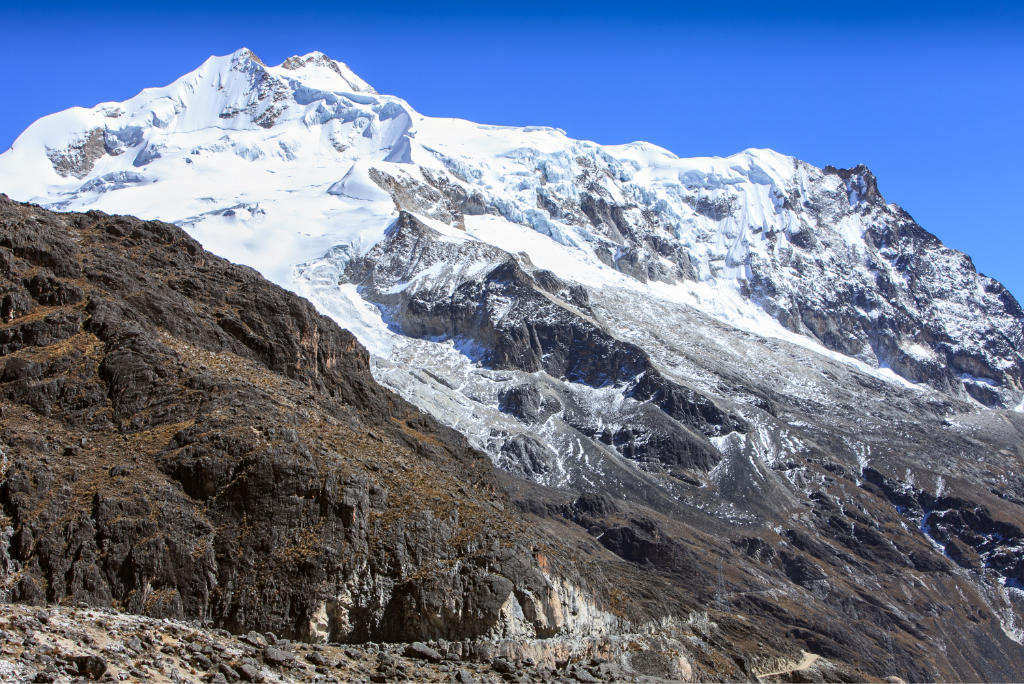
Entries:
{"x":182,"y":439}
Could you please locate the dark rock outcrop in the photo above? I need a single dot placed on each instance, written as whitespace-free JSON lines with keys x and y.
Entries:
{"x":508,"y":315}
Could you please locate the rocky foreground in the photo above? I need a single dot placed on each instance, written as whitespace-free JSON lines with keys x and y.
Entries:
{"x":59,"y":643}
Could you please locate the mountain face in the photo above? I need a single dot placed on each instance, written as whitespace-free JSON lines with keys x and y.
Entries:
{"x":183,"y":440}
{"x":748,"y":376}
{"x":274,"y":164}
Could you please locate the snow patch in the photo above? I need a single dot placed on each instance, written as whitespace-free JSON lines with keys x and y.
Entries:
{"x":918,"y":351}
{"x":357,"y":184}
{"x":967,"y":377}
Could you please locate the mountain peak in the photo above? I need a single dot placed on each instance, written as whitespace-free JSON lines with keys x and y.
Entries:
{"x":318,"y":60}
{"x":861,"y":183}
{"x":309,"y":137}
{"x":315,"y":58}
{"x":243,"y":54}
{"x":315,"y":69}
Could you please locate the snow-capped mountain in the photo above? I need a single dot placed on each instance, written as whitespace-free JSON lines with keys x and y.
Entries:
{"x":747,"y":342}
{"x":273,"y":166}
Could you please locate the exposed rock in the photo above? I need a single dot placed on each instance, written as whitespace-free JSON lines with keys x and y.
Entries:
{"x":421,"y":651}
{"x":503,"y":666}
{"x":78,"y":158}
{"x":255,"y":639}
{"x":248,"y":672}
{"x":91,"y":666}
{"x":229,"y":672}
{"x":278,"y":657}
{"x":578,"y":673}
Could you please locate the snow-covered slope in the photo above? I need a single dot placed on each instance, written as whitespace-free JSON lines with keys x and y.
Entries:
{"x":274,"y":166}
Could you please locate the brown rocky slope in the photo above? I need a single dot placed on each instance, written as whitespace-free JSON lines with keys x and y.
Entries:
{"x":181,"y":439}
{"x":184,"y":439}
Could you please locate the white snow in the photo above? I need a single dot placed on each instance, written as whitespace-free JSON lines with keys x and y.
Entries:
{"x":967,"y":377}
{"x":273,"y":167}
{"x":918,"y":351}
{"x":357,"y":185}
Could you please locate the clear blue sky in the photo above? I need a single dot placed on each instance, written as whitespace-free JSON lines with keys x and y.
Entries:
{"x":928,"y":95}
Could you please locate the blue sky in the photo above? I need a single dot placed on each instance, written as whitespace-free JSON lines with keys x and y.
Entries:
{"x":928,"y":95}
